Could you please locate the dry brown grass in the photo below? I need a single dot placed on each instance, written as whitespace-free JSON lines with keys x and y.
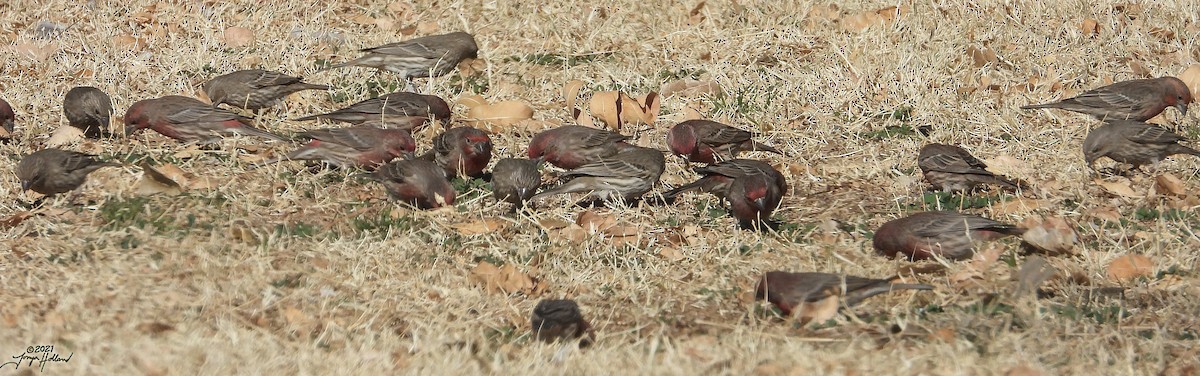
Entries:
{"x":338,"y":280}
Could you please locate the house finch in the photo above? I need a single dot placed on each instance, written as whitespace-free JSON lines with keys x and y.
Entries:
{"x":421,"y":184}
{"x":752,"y":199}
{"x":429,"y":56}
{"x":624,"y":176}
{"x":362,"y":147}
{"x":88,"y":109}
{"x":1133,"y":142}
{"x":516,"y":180}
{"x":705,"y":141}
{"x":255,"y":89}
{"x":573,"y":146}
{"x":951,"y":168}
{"x":942,"y":233}
{"x":400,"y":110}
{"x":461,"y":151}
{"x":187,"y":119}
{"x":554,"y":320}
{"x":54,"y":171}
{"x":716,"y":178}
{"x":1137,"y":100}
{"x":8,"y":119}
{"x":790,"y":291}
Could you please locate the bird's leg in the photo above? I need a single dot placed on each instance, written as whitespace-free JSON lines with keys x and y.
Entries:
{"x":410,"y":87}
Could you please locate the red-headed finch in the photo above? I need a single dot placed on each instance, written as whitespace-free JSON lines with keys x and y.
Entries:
{"x":8,"y":119}
{"x":1137,"y":100}
{"x":572,"y":146}
{"x":707,"y":141}
{"x":791,"y":292}
{"x":953,"y":169}
{"x":716,"y":178}
{"x":254,"y":89}
{"x":428,"y":56}
{"x":400,"y":110}
{"x":360,"y":147}
{"x":421,"y":184}
{"x":625,"y":176}
{"x":88,"y":109}
{"x":516,"y":180}
{"x":555,"y":320}
{"x":1133,"y":142}
{"x":752,"y":199}
{"x":54,"y":171}
{"x":944,"y":234}
{"x":188,"y":119}
{"x":462,"y":151}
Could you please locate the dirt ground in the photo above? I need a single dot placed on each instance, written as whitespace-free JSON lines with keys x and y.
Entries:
{"x":287,"y":270}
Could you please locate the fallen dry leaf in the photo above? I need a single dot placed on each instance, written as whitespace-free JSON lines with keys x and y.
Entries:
{"x":670,"y":253}
{"x":471,"y":101}
{"x":1032,"y":274}
{"x":1023,"y":370}
{"x":65,"y":135}
{"x":606,"y":107}
{"x":240,"y":231}
{"x":593,"y":221}
{"x":483,"y":226}
{"x":1052,"y":235}
{"x":982,"y":56}
{"x":38,"y":53}
{"x":1017,"y":206}
{"x":239,"y":37}
{"x":15,"y":219}
{"x":1191,"y":77}
{"x":1090,"y":27}
{"x":1130,"y":266}
{"x":1168,"y":184}
{"x":1122,"y":187}
{"x":570,"y":93}
{"x":506,"y":279}
{"x":498,"y":116}
{"x":128,"y":43}
{"x":1107,"y":213}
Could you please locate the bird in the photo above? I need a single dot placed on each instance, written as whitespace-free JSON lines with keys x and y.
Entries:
{"x":951,"y":168}
{"x":461,"y":151}
{"x":88,"y":109}
{"x":515,"y":180}
{"x":624,"y":177}
{"x":8,"y":120}
{"x":572,"y":146}
{"x":707,"y":141}
{"x":254,"y":89}
{"x":400,"y":110}
{"x":752,"y":199}
{"x":189,"y":120}
{"x":54,"y":171}
{"x":361,"y":147}
{"x":716,"y":178}
{"x":428,"y":56}
{"x":1136,"y":100}
{"x":559,"y":319}
{"x":421,"y":184}
{"x":944,"y":234}
{"x":795,"y":292}
{"x":1133,"y":142}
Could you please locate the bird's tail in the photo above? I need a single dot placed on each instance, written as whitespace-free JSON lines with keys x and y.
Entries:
{"x":249,"y":130}
{"x":1012,"y":184}
{"x":752,"y":145}
{"x":308,"y":86}
{"x":1040,"y":106}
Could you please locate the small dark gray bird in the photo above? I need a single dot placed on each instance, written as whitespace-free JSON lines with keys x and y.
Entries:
{"x":54,"y":171}
{"x":560,"y":319}
{"x":88,"y":109}
{"x":8,"y":120}
{"x":516,"y":180}
{"x":419,"y":183}
{"x":255,"y":89}
{"x":1133,"y":142}
{"x":429,"y":56}
{"x":953,"y":169}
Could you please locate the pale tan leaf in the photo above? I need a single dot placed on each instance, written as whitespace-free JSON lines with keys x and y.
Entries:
{"x":482,"y":226}
{"x":1170,"y":185}
{"x":1130,"y":266}
{"x":570,"y":92}
{"x":65,"y":135}
{"x":606,"y":107}
{"x":1120,"y":187}
{"x":1052,"y":235}
{"x":237,"y":36}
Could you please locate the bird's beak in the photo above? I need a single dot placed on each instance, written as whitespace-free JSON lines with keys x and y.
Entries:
{"x":761,"y":203}
{"x":1182,"y":107}
{"x":25,"y":184}
{"x":130,"y":129}
{"x":478,"y":148}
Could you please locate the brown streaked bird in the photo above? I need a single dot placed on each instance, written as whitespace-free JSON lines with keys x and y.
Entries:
{"x":357,"y":147}
{"x":421,"y":184}
{"x":8,"y":119}
{"x":515,"y":180}
{"x":462,"y":151}
{"x":399,"y":110}
{"x":189,"y":120}
{"x":559,"y":319}
{"x":707,"y":141}
{"x":792,"y":291}
{"x":1133,"y":142}
{"x":54,"y":171}
{"x":945,"y":234}
{"x":951,"y":168}
{"x":254,"y":89}
{"x":716,"y":178}
{"x":1137,"y":100}
{"x":623,"y":177}
{"x":88,"y":109}
{"x":428,"y":56}
{"x":572,"y":146}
